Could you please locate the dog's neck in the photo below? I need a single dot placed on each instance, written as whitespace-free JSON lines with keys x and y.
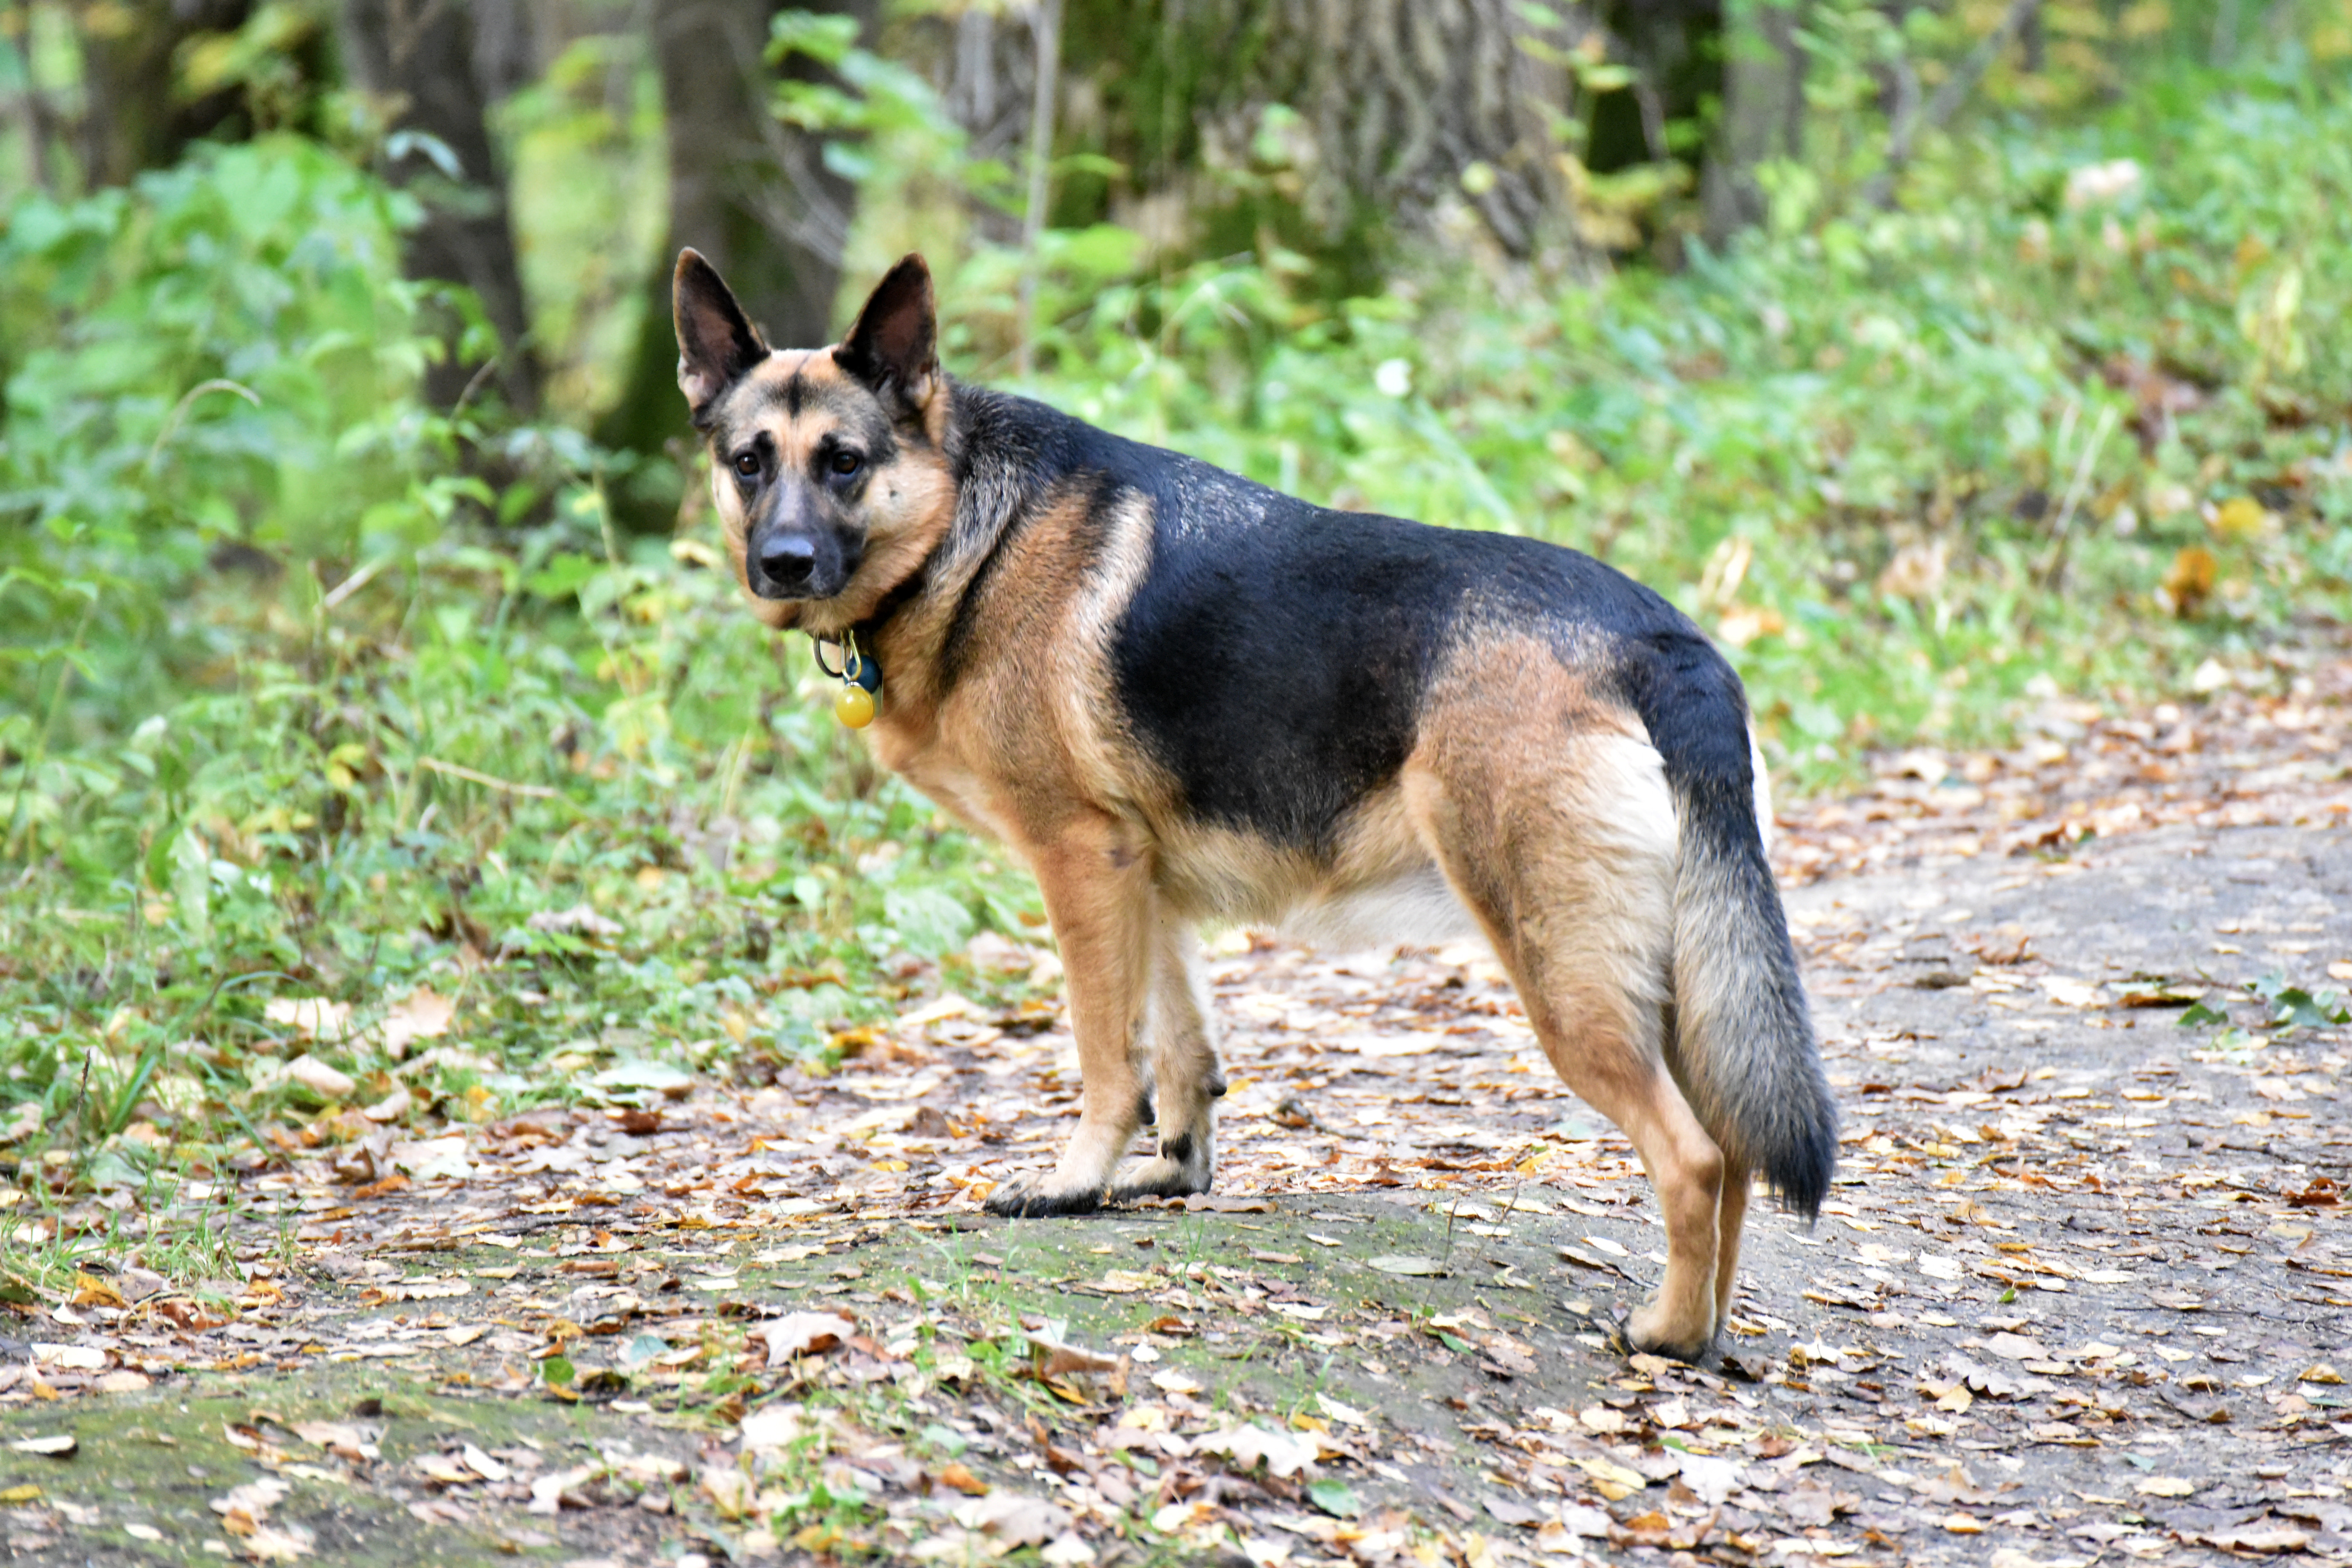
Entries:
{"x":903,"y":618}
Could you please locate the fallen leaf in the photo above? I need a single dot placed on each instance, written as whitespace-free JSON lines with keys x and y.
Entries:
{"x":391,"y":1108}
{"x":1013,"y":1520}
{"x":796,"y":1334}
{"x":1713,"y":1478}
{"x":58,"y":1446}
{"x":580,"y":919}
{"x":1407,"y":1265}
{"x":961,"y":1477}
{"x":1051,"y":1359}
{"x":1335,"y":1498}
{"x":278,"y":1542}
{"x":2016,"y":1347}
{"x":1609,"y":1473}
{"x":2263,"y":1538}
{"x":1283,"y":1453}
{"x":772,"y":1426}
{"x":547,"y":1492}
{"x":2166,"y":1485}
{"x":310,"y":1017}
{"x":1577,"y":1520}
{"x":1346,"y":1414}
{"x":252,"y":1500}
{"x":433,"y":1159}
{"x":1126,"y":1282}
{"x":316,"y":1076}
{"x":422,"y":1015}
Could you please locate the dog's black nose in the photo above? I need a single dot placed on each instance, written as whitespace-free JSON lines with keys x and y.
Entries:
{"x":787,"y":560}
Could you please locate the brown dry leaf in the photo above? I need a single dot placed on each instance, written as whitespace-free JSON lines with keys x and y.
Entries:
{"x":549,"y":1493}
{"x":244,"y":1507}
{"x":278,"y":1542}
{"x":796,"y":1334}
{"x":311,"y":1018}
{"x":327,"y":1082}
{"x":391,"y":1108}
{"x":2188,"y":580}
{"x":1051,"y":1359}
{"x":1126,"y":1282}
{"x":961,"y":1478}
{"x":1013,"y":1521}
{"x":447,"y":1471}
{"x":336,"y":1437}
{"x":92,"y":1291}
{"x":422,"y":1015}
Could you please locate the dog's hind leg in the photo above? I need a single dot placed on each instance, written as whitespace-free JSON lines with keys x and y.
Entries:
{"x":1731,"y":1218}
{"x":1097,"y":879}
{"x":1566,"y":854}
{"x":1182,"y":1050}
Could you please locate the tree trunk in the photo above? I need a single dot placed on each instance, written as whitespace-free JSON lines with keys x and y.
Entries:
{"x":437,"y":66}
{"x":134,"y":117}
{"x":747,"y":190}
{"x":1763,"y":111}
{"x":1400,"y":111}
{"x":1676,"y":47}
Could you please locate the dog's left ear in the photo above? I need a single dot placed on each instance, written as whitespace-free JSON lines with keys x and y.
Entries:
{"x":894,"y":348}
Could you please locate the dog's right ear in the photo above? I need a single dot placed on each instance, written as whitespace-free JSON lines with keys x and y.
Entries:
{"x":716,"y":341}
{"x":894,"y":347}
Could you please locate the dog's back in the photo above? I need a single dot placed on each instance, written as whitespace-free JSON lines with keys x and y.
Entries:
{"x":1286,"y":665}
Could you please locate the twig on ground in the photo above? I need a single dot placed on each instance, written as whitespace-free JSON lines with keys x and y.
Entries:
{"x":451,"y":770}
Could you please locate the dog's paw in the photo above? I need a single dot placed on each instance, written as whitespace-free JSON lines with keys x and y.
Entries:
{"x":1159,"y":1177}
{"x":1033,"y":1200}
{"x":1647,"y":1330}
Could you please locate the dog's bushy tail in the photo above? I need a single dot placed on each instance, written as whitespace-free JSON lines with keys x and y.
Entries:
{"x":1742,"y":1046}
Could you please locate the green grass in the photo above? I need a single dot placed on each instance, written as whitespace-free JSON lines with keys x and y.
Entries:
{"x":433,"y":704}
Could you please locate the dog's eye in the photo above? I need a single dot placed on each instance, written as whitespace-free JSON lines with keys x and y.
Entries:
{"x":845,"y":463}
{"x":748,"y":465}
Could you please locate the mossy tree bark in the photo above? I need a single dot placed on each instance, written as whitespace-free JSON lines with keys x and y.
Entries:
{"x":437,"y":68}
{"x":1340,"y":119}
{"x":1763,"y":109}
{"x":133,"y":115}
{"x":750,"y":192}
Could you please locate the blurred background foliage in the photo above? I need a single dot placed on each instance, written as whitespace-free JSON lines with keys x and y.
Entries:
{"x":361,"y":624}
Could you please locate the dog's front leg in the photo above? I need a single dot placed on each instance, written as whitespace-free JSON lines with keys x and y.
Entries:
{"x":1097,"y":879}
{"x":1182,"y":1051}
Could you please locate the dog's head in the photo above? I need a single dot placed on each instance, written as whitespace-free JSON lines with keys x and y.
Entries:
{"x":825,"y":463}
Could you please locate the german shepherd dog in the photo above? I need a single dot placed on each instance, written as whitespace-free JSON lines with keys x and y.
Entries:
{"x":1183,"y":697}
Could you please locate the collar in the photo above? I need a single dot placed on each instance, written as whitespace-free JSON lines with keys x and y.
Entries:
{"x":867,"y":633}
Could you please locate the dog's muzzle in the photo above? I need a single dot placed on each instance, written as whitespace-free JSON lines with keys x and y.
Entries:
{"x":788,"y":564}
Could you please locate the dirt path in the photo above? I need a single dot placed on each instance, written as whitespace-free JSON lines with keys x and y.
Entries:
{"x":2075,"y":1298}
